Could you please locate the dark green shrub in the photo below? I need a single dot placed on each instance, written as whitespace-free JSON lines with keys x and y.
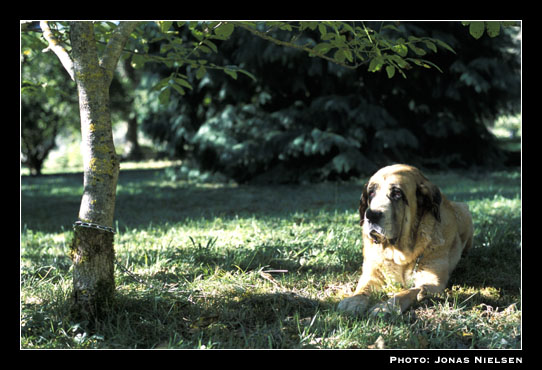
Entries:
{"x":307,"y":119}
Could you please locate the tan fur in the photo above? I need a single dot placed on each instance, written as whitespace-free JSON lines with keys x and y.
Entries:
{"x":434,"y":245}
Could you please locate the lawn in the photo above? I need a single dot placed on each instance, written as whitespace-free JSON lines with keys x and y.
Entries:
{"x":211,"y":265}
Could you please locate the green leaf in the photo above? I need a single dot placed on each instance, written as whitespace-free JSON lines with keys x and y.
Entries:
{"x":493,"y":28}
{"x":399,"y":61}
{"x":376,"y":64}
{"x":322,"y":48}
{"x":428,"y":63}
{"x":348,"y":55}
{"x":211,"y":45}
{"x":205,"y":49}
{"x":29,"y":87}
{"x":310,"y":25}
{"x":285,"y":27}
{"x":444,"y":45}
{"x":183,"y":82}
{"x":179,"y":89}
{"x":345,"y":26}
{"x":163,"y":83}
{"x":224,"y":30}
{"x":390,"y":70}
{"x":197,"y":34}
{"x":476,"y":29}
{"x":417,"y":50}
{"x":391,"y":27}
{"x":425,"y":63}
{"x":201,"y":72}
{"x":138,"y":61}
{"x":231,"y":73}
{"x":339,"y":56}
{"x":232,"y":70}
{"x":164,"y":96}
{"x":248,"y":74}
{"x":164,"y":26}
{"x":322,"y":28}
{"x":400,"y":49}
{"x":430,"y":45}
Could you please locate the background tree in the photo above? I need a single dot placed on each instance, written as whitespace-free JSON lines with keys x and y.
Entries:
{"x":45,"y":100}
{"x":122,"y":103}
{"x":320,"y":120}
{"x":38,"y":133}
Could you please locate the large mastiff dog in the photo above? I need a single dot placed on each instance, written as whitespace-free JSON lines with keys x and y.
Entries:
{"x":411,"y":233}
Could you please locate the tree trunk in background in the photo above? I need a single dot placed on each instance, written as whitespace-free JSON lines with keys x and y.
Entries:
{"x":132,"y":150}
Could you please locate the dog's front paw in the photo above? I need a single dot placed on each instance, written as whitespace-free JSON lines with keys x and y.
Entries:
{"x":354,"y":305}
{"x":386,"y":308}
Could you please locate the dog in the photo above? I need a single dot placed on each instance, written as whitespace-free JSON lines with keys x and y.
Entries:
{"x":411,"y":232}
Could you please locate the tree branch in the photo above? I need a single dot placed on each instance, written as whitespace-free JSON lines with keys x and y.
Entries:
{"x":115,"y":45}
{"x":57,"y":48}
{"x":292,"y":45}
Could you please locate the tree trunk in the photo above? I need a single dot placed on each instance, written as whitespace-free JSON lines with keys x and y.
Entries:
{"x":93,"y":259}
{"x":92,"y":249}
{"x":132,"y":150}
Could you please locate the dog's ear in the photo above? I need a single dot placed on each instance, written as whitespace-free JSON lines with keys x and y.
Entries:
{"x":363,"y":203}
{"x":429,"y":198}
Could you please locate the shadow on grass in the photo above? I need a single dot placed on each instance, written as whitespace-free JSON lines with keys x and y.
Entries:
{"x":493,"y":270}
{"x":50,"y":203}
{"x":154,"y":319}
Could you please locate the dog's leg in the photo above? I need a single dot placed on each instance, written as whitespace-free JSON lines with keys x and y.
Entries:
{"x":400,"y":302}
{"x":428,"y":281}
{"x":355,"y":305}
{"x":371,"y":279}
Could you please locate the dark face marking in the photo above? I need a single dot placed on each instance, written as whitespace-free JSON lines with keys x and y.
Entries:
{"x":382,"y":209}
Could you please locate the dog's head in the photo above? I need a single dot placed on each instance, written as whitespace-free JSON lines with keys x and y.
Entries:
{"x":392,"y":199}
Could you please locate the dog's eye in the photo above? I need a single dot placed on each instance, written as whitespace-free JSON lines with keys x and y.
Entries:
{"x":371,"y":192}
{"x":396,"y":194}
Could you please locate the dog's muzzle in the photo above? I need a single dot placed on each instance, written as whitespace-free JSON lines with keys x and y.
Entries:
{"x":377,"y":234}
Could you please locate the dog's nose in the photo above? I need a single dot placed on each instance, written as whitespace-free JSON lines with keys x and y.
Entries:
{"x":373,"y":216}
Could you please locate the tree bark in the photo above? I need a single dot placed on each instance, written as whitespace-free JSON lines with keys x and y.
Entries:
{"x":92,"y":250}
{"x":93,"y":257}
{"x":100,"y":161}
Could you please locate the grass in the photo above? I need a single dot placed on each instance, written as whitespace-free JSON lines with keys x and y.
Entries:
{"x":206,"y":265}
